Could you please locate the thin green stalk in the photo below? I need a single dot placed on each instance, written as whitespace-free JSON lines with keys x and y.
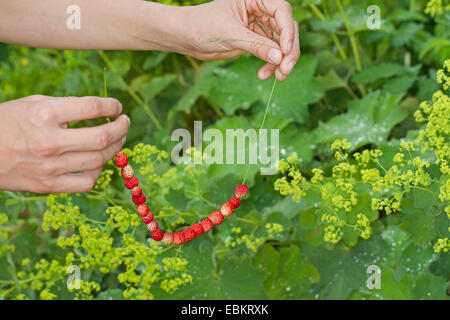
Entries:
{"x":335,"y":39}
{"x":353,"y":43}
{"x":131,"y":92}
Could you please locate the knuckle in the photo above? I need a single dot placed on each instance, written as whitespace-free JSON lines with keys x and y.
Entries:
{"x":97,"y":161}
{"x":45,"y":114}
{"x":36,"y":97}
{"x":46,"y":168}
{"x":45,"y":186}
{"x":288,"y":6}
{"x":43,"y":145}
{"x":102,"y":140}
{"x":94,"y":106}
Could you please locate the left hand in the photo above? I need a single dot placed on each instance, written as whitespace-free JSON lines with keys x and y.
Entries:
{"x":227,"y":28}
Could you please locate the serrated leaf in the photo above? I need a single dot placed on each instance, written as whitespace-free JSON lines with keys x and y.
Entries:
{"x":368,"y":120}
{"x":238,"y":88}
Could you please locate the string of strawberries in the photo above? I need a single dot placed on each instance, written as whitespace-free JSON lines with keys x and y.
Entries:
{"x":188,"y":234}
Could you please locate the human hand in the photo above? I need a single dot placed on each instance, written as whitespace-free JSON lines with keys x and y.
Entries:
{"x":227,"y":28}
{"x":39,"y":153}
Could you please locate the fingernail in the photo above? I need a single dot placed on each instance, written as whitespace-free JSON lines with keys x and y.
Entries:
{"x":128,"y":118}
{"x":275,"y":56}
{"x":120,"y":107}
{"x":265,"y":75}
{"x":124,"y":139}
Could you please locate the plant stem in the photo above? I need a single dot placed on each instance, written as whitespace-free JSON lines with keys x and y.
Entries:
{"x":131,"y":92}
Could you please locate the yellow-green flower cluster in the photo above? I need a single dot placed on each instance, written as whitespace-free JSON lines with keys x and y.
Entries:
{"x":442,"y":245}
{"x":363,"y":224}
{"x":104,"y":180}
{"x":60,"y":214}
{"x":274,"y":229}
{"x":333,"y":228}
{"x":291,"y":184}
{"x":435,"y":7}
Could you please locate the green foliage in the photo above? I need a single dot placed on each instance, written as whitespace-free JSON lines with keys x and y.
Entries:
{"x":364,"y":180}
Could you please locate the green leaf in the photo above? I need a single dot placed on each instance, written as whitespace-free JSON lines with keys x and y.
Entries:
{"x":111,"y":294}
{"x":431,"y":287}
{"x":238,"y":87}
{"x":288,"y":277}
{"x":368,"y":120}
{"x":235,"y":279}
{"x":380,"y":71}
{"x":156,"y":85}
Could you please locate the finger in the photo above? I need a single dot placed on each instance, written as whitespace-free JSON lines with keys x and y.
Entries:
{"x":76,"y":182}
{"x":291,"y":59}
{"x":69,"y":109}
{"x":282,"y":12}
{"x":261,"y":47}
{"x":84,"y":161}
{"x":266,"y":71}
{"x":95,"y":138}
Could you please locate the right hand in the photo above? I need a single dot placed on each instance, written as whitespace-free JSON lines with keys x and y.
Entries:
{"x":38,"y":153}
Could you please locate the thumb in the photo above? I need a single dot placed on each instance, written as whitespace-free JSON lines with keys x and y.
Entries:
{"x":261,"y":47}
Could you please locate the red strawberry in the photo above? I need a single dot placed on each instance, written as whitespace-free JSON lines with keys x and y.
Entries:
{"x":142,"y":210}
{"x":207,"y":224}
{"x":140,"y":200}
{"x":121,"y":159}
{"x":152,"y":226}
{"x":241,"y":191}
{"x":127,"y":172}
{"x":157,"y":235}
{"x":167,"y":238}
{"x":189,"y":234}
{"x":227,"y":209}
{"x":216,"y":217}
{"x":235,"y":202}
{"x":148,"y":218}
{"x":178,"y":238}
{"x":136,"y":192}
{"x":131,"y":183}
{"x":198,"y":229}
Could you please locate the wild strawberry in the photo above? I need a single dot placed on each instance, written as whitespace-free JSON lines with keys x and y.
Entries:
{"x":227,"y":209}
{"x":157,"y":235}
{"x":189,"y":234}
{"x":131,"y":183}
{"x":152,"y":226}
{"x":142,"y":210}
{"x":235,"y":202}
{"x":207,"y":224}
{"x":136,"y":192}
{"x":167,"y":238}
{"x":198,"y":229}
{"x":127,"y":172}
{"x":140,"y":200}
{"x":178,"y":238}
{"x":148,"y":218}
{"x":121,"y":159}
{"x":216,"y":217}
{"x":241,"y":191}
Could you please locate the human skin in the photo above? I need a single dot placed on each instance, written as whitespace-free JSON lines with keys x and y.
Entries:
{"x":39,"y":153}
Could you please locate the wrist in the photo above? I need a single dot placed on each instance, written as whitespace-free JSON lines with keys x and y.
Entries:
{"x":163,"y":27}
